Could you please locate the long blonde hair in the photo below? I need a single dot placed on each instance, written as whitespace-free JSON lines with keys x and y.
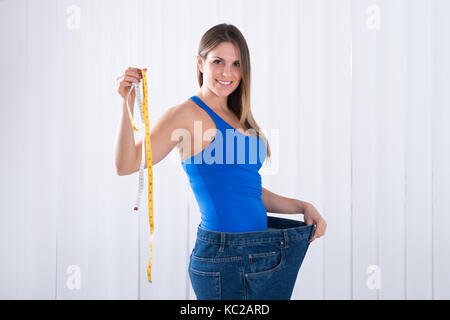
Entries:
{"x":239,"y":99}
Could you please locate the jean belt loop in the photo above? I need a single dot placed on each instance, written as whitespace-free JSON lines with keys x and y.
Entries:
{"x":286,"y":238}
{"x":222,"y":241}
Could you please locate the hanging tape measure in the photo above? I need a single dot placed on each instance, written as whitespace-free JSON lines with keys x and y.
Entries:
{"x":143,"y":108}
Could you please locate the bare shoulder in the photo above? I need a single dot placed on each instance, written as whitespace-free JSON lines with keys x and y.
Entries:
{"x":183,"y":116}
{"x":187,"y":112}
{"x":179,"y":115}
{"x":188,"y":108}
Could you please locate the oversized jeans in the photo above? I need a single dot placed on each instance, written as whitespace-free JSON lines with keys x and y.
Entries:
{"x":249,"y":265}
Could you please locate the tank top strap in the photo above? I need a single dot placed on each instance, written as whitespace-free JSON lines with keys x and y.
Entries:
{"x":220,"y":123}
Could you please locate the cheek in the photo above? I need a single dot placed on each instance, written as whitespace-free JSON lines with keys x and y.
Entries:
{"x":238,"y":74}
{"x":215,"y":72}
{"x":211,"y":73}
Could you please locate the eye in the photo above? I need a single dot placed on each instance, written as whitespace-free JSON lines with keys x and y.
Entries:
{"x":236,"y":63}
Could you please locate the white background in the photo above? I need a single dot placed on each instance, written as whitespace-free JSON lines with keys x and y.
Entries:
{"x":358,"y":92}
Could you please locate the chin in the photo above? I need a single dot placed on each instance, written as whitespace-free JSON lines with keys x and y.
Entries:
{"x":222,"y":93}
{"x":225,"y":90}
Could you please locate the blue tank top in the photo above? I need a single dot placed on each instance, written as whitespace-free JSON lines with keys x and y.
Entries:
{"x":225,"y":179}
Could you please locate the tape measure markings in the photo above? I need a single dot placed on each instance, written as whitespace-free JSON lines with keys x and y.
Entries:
{"x":147,"y":153}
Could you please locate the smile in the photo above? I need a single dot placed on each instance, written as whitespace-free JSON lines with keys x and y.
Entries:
{"x":225,"y":84}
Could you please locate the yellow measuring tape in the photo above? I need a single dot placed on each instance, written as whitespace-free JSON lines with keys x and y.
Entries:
{"x":147,"y":151}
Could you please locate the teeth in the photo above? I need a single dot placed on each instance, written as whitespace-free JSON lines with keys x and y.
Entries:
{"x":224,"y":83}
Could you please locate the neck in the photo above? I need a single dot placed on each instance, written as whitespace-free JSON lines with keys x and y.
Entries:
{"x":213,"y":100}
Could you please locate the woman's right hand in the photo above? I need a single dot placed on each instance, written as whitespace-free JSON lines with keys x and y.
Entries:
{"x":125,"y":80}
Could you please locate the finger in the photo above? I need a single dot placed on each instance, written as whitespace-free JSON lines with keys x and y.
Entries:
{"x":318,"y":231}
{"x":136,"y":70}
{"x":132,"y":79}
{"x":130,"y":72}
{"x":134,"y":74}
{"x":322,"y":227}
{"x":126,"y":79}
{"x":131,"y":69}
{"x":317,"y":234}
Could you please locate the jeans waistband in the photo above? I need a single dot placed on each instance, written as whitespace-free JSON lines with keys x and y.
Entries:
{"x":279,"y":229}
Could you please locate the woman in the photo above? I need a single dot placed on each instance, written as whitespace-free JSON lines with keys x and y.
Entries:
{"x":240,"y":252}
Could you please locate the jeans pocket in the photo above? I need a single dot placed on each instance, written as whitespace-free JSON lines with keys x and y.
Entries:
{"x":266,"y":259}
{"x":206,"y":284}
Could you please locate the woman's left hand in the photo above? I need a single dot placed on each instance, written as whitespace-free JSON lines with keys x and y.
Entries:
{"x":312,"y":216}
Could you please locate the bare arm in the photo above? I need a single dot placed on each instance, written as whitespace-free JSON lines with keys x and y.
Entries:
{"x":167,"y":132}
{"x":278,"y":204}
{"x":125,"y":151}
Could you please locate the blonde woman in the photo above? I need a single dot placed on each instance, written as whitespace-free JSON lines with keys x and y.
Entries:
{"x":240,"y":251}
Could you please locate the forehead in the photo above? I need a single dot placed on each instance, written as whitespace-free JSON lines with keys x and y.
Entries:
{"x":225,"y":50}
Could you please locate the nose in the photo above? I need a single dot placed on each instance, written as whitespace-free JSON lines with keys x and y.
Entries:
{"x":226,"y":71}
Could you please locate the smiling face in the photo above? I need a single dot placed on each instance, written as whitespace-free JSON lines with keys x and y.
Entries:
{"x":222,"y":64}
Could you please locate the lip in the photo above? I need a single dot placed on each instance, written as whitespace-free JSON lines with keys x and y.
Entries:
{"x":224,"y":85}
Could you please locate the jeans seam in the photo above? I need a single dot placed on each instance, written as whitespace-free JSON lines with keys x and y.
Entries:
{"x":219,"y":287}
{"x":217,"y":260}
{"x":205,"y":273}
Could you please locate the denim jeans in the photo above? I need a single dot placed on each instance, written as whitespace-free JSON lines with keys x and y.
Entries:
{"x":249,"y":265}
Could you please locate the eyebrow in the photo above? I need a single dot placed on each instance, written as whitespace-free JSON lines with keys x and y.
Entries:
{"x":222,"y":59}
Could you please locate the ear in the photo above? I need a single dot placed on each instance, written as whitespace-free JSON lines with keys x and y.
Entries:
{"x":200,"y":63}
